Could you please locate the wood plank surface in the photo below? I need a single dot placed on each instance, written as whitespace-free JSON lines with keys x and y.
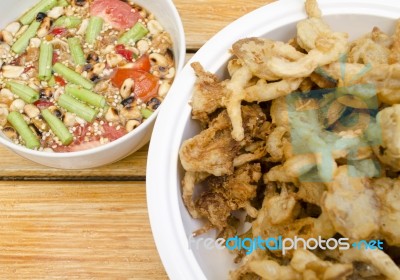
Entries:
{"x":90,"y":230}
{"x":204,"y":18}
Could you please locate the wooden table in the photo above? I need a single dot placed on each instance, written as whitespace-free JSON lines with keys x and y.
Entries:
{"x":91,"y":224}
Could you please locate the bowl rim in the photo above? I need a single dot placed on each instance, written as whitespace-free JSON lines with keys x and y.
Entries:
{"x":181,"y":51}
{"x":163,"y":193}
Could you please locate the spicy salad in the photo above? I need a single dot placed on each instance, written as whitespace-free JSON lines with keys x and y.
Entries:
{"x":81,"y":73}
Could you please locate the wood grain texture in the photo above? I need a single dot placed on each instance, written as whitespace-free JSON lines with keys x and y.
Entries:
{"x":204,"y":18}
{"x":92,"y":230}
{"x":13,"y":166}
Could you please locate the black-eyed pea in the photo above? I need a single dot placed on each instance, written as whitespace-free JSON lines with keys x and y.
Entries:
{"x":131,"y":113}
{"x":98,"y":68}
{"x":31,"y":111}
{"x":143,"y":46}
{"x":17,"y":105}
{"x":10,"y":132}
{"x":113,"y":59}
{"x":6,"y":96}
{"x":69,"y":119}
{"x":158,"y":59}
{"x":83,"y":27}
{"x":3,"y":116}
{"x":40,"y":124}
{"x":13,"y":27}
{"x":164,"y":88}
{"x":4,"y":49}
{"x":126,"y":88}
{"x":56,"y":12}
{"x":154,"y":27}
{"x":171,"y":73}
{"x":21,"y":31}
{"x":44,"y":27}
{"x":56,"y":112}
{"x":12,"y":71}
{"x":131,"y":125}
{"x":35,"y":42}
{"x":154,"y":103}
{"x":7,"y":37}
{"x":112,"y":115}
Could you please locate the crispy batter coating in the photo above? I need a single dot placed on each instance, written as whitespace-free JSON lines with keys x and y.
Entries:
{"x":228,"y":193}
{"x":213,"y":150}
{"x":309,"y":175}
{"x":389,"y":150}
{"x":207,"y":95}
{"x":352,"y":206}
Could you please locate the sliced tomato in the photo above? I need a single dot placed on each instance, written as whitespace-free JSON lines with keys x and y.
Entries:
{"x":127,"y":54}
{"x":142,"y":64}
{"x":60,"y":81}
{"x":146,"y":84}
{"x":59,"y":31}
{"x":117,"y":13}
{"x":112,"y":133}
{"x":43,"y":104}
{"x":55,"y":57}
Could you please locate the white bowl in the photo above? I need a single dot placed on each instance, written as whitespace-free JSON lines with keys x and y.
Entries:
{"x":170,"y":221}
{"x":169,"y":18}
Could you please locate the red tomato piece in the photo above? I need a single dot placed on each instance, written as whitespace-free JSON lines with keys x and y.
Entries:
{"x":43,"y":104}
{"x":142,"y":63}
{"x":146,"y":84}
{"x":127,"y":54}
{"x":117,"y":13}
{"x":59,"y":31}
{"x":60,"y":81}
{"x":112,"y":133}
{"x":55,"y":57}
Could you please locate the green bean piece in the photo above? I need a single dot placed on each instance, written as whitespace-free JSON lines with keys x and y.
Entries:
{"x":72,"y":76}
{"x":58,"y":127}
{"x":42,"y":6}
{"x":85,"y":95}
{"x":52,"y":81}
{"x":22,"y":42}
{"x":94,"y":29}
{"x":67,"y":22}
{"x":137,"y":32}
{"x":26,"y":93}
{"x":74,"y":106}
{"x":76,"y":51}
{"x":146,"y":113}
{"x":45,"y":60}
{"x":30,"y":138}
{"x":62,"y":3}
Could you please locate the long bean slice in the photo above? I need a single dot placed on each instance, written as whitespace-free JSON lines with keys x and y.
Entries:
{"x":72,"y":76}
{"x":22,"y":43}
{"x":42,"y":6}
{"x":68,"y":22}
{"x":62,"y":3}
{"x":137,"y":32}
{"x":17,"y":121}
{"x":74,"y":106}
{"x":26,"y":93}
{"x":58,"y":127}
{"x":93,"y":29}
{"x":45,"y":60}
{"x":76,"y":51}
{"x":146,"y":113}
{"x":85,"y":95}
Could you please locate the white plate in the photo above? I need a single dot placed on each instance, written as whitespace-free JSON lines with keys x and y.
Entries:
{"x":171,"y":223}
